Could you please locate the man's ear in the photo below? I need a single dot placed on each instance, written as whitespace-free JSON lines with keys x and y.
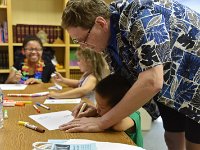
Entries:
{"x":23,"y":51}
{"x":102,"y":22}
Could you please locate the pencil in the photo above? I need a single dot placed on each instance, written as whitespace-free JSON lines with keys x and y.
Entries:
{"x":82,"y":108}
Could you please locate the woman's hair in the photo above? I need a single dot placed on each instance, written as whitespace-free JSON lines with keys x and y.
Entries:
{"x":31,"y":38}
{"x":113,"y":88}
{"x":95,"y":59}
{"x":83,"y":13}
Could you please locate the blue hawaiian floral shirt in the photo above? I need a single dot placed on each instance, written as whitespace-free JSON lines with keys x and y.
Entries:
{"x":147,"y":33}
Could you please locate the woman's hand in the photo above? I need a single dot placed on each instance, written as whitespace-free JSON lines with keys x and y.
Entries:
{"x":17,"y":76}
{"x":82,"y":125}
{"x":89,"y":111}
{"x":32,"y":81}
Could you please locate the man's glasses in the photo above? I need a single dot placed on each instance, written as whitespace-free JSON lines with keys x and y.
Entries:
{"x":34,"y":49}
{"x":84,"y":42}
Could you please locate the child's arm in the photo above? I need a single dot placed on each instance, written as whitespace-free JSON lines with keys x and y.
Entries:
{"x":87,"y":87}
{"x":124,"y":124}
{"x":60,"y":79}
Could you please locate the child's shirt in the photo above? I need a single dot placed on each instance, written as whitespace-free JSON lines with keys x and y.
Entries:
{"x":137,"y":135}
{"x":91,"y":94}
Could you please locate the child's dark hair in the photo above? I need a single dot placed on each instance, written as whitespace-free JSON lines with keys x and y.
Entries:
{"x":113,"y":88}
{"x":31,"y":38}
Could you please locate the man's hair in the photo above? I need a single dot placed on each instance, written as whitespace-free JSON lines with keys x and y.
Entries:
{"x":113,"y":88}
{"x":83,"y":13}
{"x":96,"y":60}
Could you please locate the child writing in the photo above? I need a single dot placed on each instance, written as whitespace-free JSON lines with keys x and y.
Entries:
{"x":108,"y":92}
{"x":32,"y":69}
{"x":92,"y":65}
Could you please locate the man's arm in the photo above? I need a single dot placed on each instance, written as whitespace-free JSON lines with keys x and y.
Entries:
{"x":149,"y":83}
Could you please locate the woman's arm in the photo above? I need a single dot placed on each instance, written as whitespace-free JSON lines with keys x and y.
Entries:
{"x":13,"y":77}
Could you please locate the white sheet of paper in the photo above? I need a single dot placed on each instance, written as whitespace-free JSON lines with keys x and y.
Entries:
{"x":13,"y":86}
{"x":63,"y":101}
{"x":53,"y":120}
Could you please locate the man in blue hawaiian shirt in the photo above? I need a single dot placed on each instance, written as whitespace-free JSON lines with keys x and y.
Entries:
{"x":156,"y":45}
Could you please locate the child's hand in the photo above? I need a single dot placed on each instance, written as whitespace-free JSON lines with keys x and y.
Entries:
{"x":53,"y":94}
{"x":58,"y":77}
{"x":89,"y":111}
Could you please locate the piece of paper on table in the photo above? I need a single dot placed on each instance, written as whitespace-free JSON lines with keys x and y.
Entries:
{"x":52,"y":121}
{"x":99,"y":145}
{"x":55,"y":87}
{"x":13,"y":86}
{"x":63,"y":101}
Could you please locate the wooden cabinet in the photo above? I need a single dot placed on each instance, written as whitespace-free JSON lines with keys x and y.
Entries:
{"x":35,"y":12}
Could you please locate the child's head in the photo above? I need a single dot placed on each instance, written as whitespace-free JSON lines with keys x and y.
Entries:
{"x":109,"y":91}
{"x":91,"y":62}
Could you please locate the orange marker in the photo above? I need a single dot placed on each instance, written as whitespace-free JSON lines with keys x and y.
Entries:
{"x":36,"y":108}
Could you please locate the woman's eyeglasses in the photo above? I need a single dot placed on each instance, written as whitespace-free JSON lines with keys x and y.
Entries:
{"x":34,"y":49}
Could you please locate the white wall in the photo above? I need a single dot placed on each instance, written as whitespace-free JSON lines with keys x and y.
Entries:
{"x":193,"y":4}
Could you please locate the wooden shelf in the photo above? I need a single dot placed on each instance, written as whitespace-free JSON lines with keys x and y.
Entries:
{"x":37,"y":13}
{"x":4,"y":70}
{"x":45,"y":45}
{"x":3,"y":44}
{"x":74,"y":45}
{"x":74,"y":68}
{"x":61,"y":70}
{"x":3,"y":6}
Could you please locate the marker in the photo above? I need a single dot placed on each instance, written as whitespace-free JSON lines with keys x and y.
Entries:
{"x":14,"y":69}
{"x":30,"y":126}
{"x":20,"y":95}
{"x":19,"y":104}
{"x":82,"y":108}
{"x":36,"y":108}
{"x":46,"y":107}
{"x":53,"y":75}
{"x":5,"y":114}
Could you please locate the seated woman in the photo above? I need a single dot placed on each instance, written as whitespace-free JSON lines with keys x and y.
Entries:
{"x":32,"y":69}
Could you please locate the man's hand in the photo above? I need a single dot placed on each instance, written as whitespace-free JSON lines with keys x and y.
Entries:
{"x":82,"y":125}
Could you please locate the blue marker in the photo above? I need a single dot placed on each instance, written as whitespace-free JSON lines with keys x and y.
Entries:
{"x":46,"y":107}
